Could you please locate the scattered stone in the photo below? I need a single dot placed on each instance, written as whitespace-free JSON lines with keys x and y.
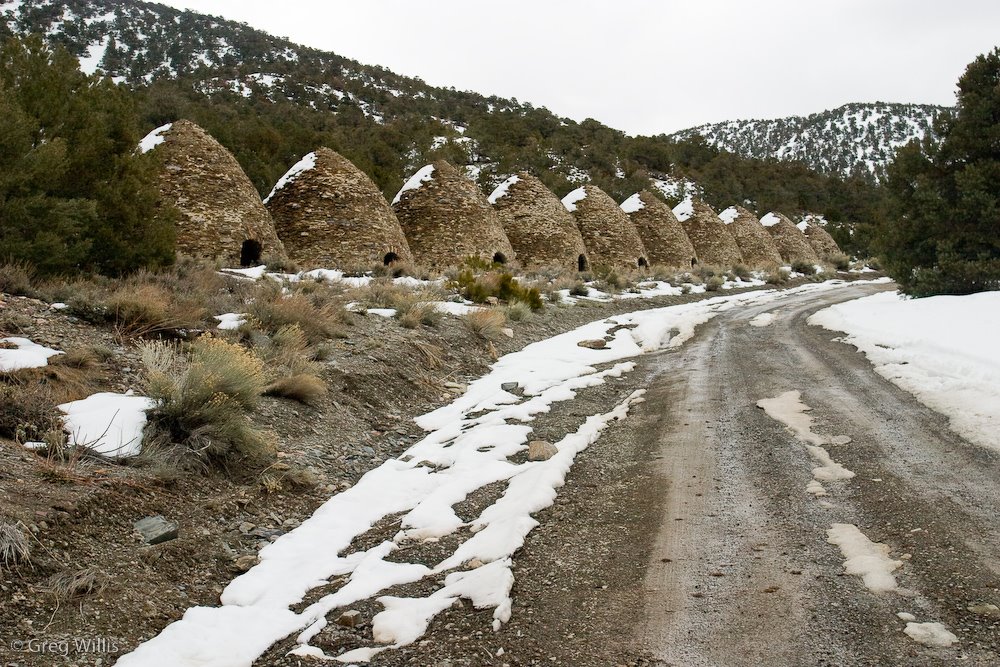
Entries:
{"x":541,"y":450}
{"x":473,"y":564}
{"x":492,"y":301}
{"x":595,"y":344}
{"x":508,"y":332}
{"x":349,"y":619}
{"x":244,"y":563}
{"x":985,"y":609}
{"x":509,"y":386}
{"x":156,"y":529}
{"x":841,"y":440}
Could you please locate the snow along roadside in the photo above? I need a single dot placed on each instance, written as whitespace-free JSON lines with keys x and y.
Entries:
{"x":940,"y":349}
{"x":468,"y":446}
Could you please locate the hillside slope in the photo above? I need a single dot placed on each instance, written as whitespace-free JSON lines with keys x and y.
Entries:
{"x":270,"y":101}
{"x":852,"y":139}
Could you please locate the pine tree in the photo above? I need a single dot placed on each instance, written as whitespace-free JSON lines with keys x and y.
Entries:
{"x":73,"y":194}
{"x":945,"y":235}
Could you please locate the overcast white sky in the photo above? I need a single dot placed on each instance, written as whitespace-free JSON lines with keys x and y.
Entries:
{"x":647,"y":66}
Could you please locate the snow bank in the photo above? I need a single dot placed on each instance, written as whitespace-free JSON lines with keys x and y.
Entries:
{"x":942,"y":349}
{"x":107,"y":423}
{"x":307,"y":163}
{"x":154,"y":138}
{"x":570,"y":200}
{"x":501,"y":190}
{"x":762,"y":320}
{"x":633,"y":204}
{"x":24,"y":354}
{"x":867,"y":559}
{"x":423,"y":175}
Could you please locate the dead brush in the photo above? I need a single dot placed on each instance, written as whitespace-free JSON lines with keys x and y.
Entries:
{"x":488,"y":324}
{"x":70,"y":585}
{"x":279,"y":477}
{"x":431,"y":356}
{"x":14,"y":546}
{"x":415,"y":313}
{"x":17,"y":278}
{"x":319,"y":319}
{"x":302,"y":387}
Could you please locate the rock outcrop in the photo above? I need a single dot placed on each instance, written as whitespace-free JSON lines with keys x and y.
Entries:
{"x":221,"y":214}
{"x":609,"y":235}
{"x":329,"y":214}
{"x":789,"y":239}
{"x":446,"y":219}
{"x":661,"y":232}
{"x":820,"y":240}
{"x":713,"y":244}
{"x":756,"y":245}
{"x":541,"y":230}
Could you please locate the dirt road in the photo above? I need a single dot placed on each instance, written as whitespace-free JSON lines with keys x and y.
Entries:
{"x":740,"y":570}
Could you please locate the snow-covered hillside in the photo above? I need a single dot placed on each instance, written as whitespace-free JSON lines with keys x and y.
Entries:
{"x":854,"y":138}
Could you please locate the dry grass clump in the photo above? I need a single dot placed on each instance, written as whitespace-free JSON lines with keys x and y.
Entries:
{"x":714,"y":284}
{"x":303,"y":387}
{"x":779,"y":277}
{"x":498,"y":286}
{"x":431,"y":356}
{"x":27,"y":411}
{"x":279,"y":477}
{"x":69,"y":585}
{"x":202,"y":402}
{"x":840,"y":262}
{"x":319,"y":314}
{"x":14,"y":547}
{"x":17,"y":278}
{"x":486,"y":323}
{"x":414,"y":313}
{"x":803,"y":267}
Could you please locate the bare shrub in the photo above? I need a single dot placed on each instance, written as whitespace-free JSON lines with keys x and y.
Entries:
{"x":14,"y":547}
{"x":69,"y":585}
{"x":303,"y":387}
{"x":17,"y":278}
{"x":486,"y":323}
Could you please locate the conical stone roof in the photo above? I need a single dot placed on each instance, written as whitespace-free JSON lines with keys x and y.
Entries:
{"x":541,"y":230}
{"x":661,"y":232}
{"x":756,"y":245}
{"x":713,"y":244}
{"x":609,"y":235}
{"x":329,"y":214}
{"x":221,"y":214}
{"x":790,"y":241}
{"x":446,"y":219}
{"x":820,"y":240}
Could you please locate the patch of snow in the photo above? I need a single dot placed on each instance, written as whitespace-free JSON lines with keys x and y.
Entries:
{"x":762,"y":320}
{"x":633,"y":204}
{"x":231,"y":321}
{"x":790,"y":411}
{"x":904,"y":616}
{"x":934,"y":635}
{"x":570,"y":200}
{"x":770,"y":220}
{"x":501,"y":190}
{"x":829,"y":470}
{"x":154,"y":138}
{"x":864,"y":558}
{"x":107,"y":423}
{"x":942,"y":349}
{"x":382,"y":312}
{"x":307,"y":163}
{"x":423,"y":175}
{"x":59,"y":306}
{"x":729,"y":215}
{"x":91,"y":60}
{"x":685,"y":209}
{"x":454,"y":308}
{"x":252,"y":273}
{"x":24,"y":354}
{"x":816,"y":489}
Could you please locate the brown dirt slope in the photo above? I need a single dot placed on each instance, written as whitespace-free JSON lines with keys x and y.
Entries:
{"x":334,"y":216}
{"x":541,"y":230}
{"x":610,"y":237}
{"x":447,"y":220}
{"x":756,"y":245}
{"x":221,"y":214}
{"x":713,"y":243}
{"x":661,"y":232}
